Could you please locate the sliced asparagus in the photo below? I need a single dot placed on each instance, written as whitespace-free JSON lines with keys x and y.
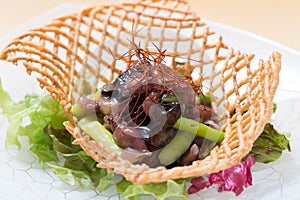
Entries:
{"x":199,"y":129}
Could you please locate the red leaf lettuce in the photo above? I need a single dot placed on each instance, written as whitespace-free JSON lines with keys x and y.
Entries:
{"x":233,"y":179}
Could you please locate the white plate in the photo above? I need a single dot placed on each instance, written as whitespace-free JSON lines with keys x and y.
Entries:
{"x":21,"y":176}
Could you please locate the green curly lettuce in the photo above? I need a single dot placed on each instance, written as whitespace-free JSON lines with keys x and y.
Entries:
{"x":78,"y":169}
{"x":28,"y":118}
{"x":40,"y":118}
{"x":175,"y":189}
{"x":270,"y":145}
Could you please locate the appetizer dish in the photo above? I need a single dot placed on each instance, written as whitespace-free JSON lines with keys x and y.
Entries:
{"x":147,"y":92}
{"x":144,"y":108}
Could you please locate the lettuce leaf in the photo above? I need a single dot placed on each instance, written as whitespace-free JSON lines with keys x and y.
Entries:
{"x":170,"y":189}
{"x":28,"y":118}
{"x":270,"y":145}
{"x":233,"y":179}
{"x":79,"y":169}
{"x":40,"y":118}
{"x":99,"y":179}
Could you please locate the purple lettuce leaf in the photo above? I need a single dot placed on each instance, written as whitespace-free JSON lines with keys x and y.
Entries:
{"x":233,"y":179}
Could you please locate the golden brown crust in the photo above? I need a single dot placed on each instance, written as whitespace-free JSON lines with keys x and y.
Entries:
{"x":60,"y":54}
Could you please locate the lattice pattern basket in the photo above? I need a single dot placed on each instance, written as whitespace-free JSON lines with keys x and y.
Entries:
{"x":72,"y":56}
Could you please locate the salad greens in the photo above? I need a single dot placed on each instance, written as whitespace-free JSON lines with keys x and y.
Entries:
{"x":39,"y":118}
{"x":78,"y":169}
{"x":49,"y":140}
{"x":170,"y":189}
{"x":41,"y":111}
{"x":270,"y":145}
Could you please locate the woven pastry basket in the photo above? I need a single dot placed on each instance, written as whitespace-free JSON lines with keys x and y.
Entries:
{"x":71,"y":57}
